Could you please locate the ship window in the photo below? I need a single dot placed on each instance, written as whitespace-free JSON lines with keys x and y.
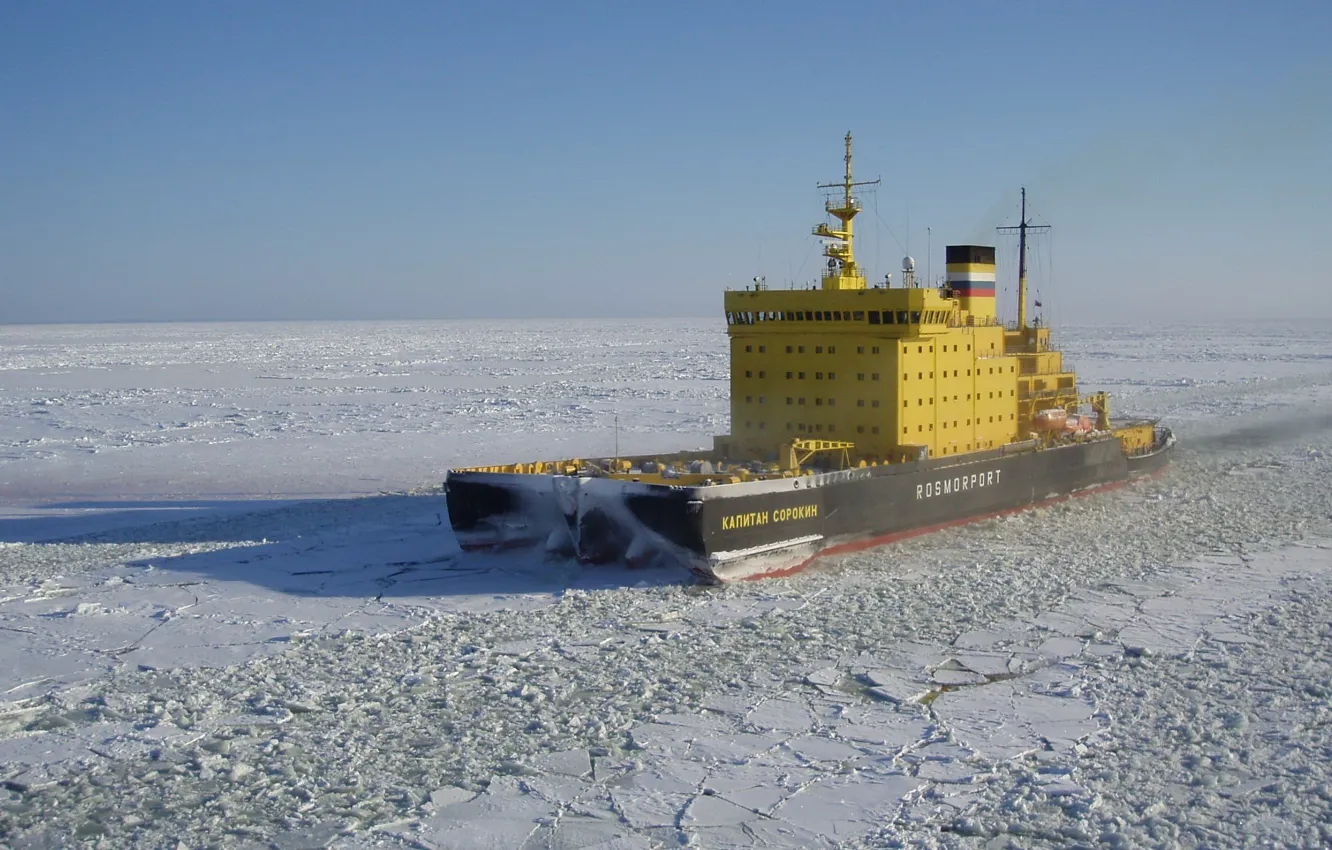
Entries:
{"x":920,"y":376}
{"x":874,"y":350}
{"x":954,"y":348}
{"x":920,"y":428}
{"x":860,"y":349}
{"x":748,"y":349}
{"x":931,"y":374}
{"x":887,"y":317}
{"x":860,"y":376}
{"x":1010,"y":392}
{"x":832,"y":349}
{"x":931,"y":399}
{"x":874,"y":403}
{"x":920,"y":402}
{"x":818,"y":349}
{"x":800,"y":376}
{"x":832,"y":429}
{"x":818,"y":427}
{"x":860,"y":429}
{"x":763,"y":349}
{"x":748,"y":374}
{"x":931,"y":349}
{"x":749,"y":424}
{"x":873,"y":317}
{"x":800,"y":401}
{"x":906,"y":402}
{"x":832,"y":402}
{"x":818,"y":315}
{"x":945,"y":425}
{"x":748,"y":399}
{"x":992,"y":394}
{"x":901,"y":317}
{"x":790,"y":375}
{"x":762,"y":425}
{"x":788,"y":399}
{"x":763,"y":399}
{"x":860,"y":402}
{"x":788,"y":426}
{"x":968,"y":346}
{"x":931,"y":426}
{"x":920,"y":349}
{"x":915,"y":317}
{"x":1010,"y":416}
{"x":955,"y":422}
{"x":954,"y":373}
{"x":800,"y":349}
{"x":874,"y":376}
{"x":801,"y":427}
{"x":818,"y":402}
{"x":818,"y":376}
{"x":906,"y":376}
{"x":763,"y":374}
{"x":904,"y":429}
{"x":788,"y":349}
{"x":858,"y":315}
{"x":832,"y":376}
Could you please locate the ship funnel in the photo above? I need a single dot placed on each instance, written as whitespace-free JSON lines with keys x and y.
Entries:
{"x":971,"y":278}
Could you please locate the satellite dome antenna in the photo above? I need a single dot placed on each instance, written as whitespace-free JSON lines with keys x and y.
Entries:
{"x":909,"y":272}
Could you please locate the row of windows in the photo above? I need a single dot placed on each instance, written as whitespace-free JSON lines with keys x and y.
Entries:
{"x":900,"y":317}
{"x":832,"y":402}
{"x":875,"y":317}
{"x":749,"y":317}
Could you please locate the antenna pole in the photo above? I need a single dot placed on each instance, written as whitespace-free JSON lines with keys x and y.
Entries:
{"x":1021,"y":230}
{"x":617,"y":442}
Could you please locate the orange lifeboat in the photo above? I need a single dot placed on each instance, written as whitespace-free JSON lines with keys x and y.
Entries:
{"x":1054,"y":419}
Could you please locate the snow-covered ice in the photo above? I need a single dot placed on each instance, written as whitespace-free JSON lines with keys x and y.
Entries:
{"x":232,"y":612}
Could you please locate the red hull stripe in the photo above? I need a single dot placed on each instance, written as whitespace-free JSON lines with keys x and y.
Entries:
{"x":871,"y":542}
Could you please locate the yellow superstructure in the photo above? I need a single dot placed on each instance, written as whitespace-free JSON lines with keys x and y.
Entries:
{"x":898,"y":372}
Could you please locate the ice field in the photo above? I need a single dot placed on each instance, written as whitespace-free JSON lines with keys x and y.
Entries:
{"x":232,"y":612}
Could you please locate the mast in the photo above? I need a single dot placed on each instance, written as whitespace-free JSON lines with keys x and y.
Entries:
{"x":1021,"y":230}
{"x":842,"y":273}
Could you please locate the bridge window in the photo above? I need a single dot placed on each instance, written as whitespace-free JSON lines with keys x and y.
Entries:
{"x":818,"y":349}
{"x":874,"y":317}
{"x":790,"y":375}
{"x":874,"y":376}
{"x":832,"y":376}
{"x":832,"y":349}
{"x":748,"y":374}
{"x":788,"y":399}
{"x":818,"y":427}
{"x":832,"y":429}
{"x":788,"y":349}
{"x":800,"y":349}
{"x":763,"y":374}
{"x":818,"y":315}
{"x":860,"y":349}
{"x":915,"y":317}
{"x":874,"y":350}
{"x":800,"y":401}
{"x":801,"y":426}
{"x":763,"y":349}
{"x":858,"y":315}
{"x":818,"y":376}
{"x":901,"y":317}
{"x":887,"y":317}
{"x":860,"y":429}
{"x":860,"y":376}
{"x":800,"y":376}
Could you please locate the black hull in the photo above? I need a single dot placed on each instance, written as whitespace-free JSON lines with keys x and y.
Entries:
{"x":762,"y":528}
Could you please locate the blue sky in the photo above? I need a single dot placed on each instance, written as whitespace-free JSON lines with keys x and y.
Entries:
{"x":256,"y":160}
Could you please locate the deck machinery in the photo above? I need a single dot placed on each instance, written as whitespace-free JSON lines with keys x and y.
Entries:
{"x":859,"y":413}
